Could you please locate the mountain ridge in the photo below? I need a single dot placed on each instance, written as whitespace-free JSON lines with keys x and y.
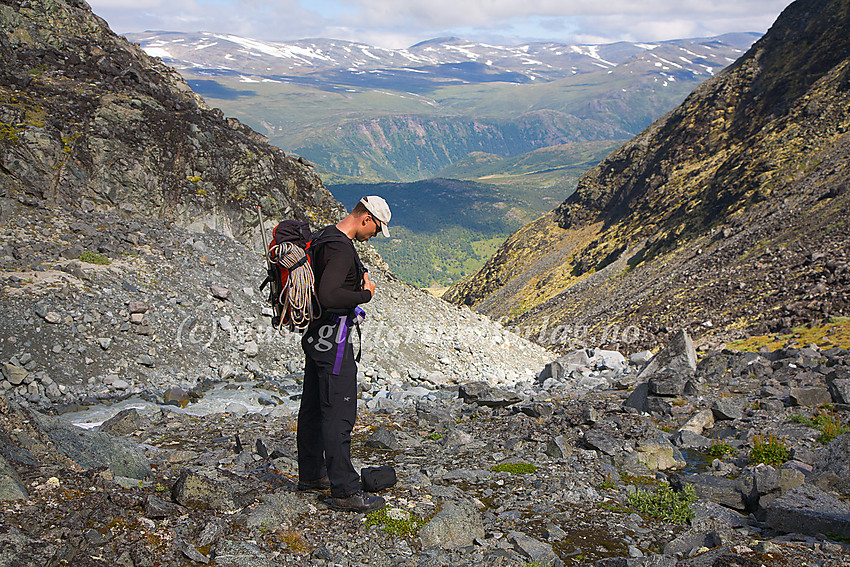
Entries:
{"x":696,"y":207}
{"x":323,"y":99}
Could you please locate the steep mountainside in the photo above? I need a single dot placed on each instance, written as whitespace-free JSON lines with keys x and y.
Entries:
{"x":728,"y":212}
{"x":85,"y":115}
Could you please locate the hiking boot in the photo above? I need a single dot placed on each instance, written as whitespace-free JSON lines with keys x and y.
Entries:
{"x":358,"y":502}
{"x":323,"y":483}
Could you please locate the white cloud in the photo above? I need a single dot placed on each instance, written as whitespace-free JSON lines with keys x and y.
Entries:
{"x":394,"y":23}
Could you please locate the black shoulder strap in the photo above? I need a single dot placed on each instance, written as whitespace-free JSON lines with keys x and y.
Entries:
{"x":324,"y":236}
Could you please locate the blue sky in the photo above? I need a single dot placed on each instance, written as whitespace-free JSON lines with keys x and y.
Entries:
{"x":401,"y":23}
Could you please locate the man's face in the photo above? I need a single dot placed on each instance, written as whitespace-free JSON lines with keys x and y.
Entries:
{"x":369,"y":227}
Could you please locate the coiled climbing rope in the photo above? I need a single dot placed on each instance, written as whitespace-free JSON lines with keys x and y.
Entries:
{"x":297,"y":295}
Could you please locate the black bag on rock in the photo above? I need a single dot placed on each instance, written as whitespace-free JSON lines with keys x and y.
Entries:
{"x":375,"y":479}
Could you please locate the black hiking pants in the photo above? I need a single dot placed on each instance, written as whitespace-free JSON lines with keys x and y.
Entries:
{"x":328,"y":407}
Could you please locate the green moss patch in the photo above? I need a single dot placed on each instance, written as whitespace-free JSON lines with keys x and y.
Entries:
{"x":94,"y":258}
{"x":515,"y":468}
{"x":396,"y":521}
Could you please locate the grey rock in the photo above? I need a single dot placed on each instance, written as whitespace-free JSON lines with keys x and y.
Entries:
{"x":220,"y":292}
{"x":835,"y":459}
{"x":698,"y":422}
{"x":137,"y":307}
{"x":240,"y":554}
{"x":641,"y":358}
{"x":554,"y":533}
{"x":41,"y":310}
{"x":638,"y":398}
{"x":191,"y":552}
{"x":456,"y":438}
{"x":53,"y":318}
{"x":11,"y":487}
{"x":609,"y":359}
{"x":538,"y":552}
{"x":603,"y":441}
{"x":689,"y":440}
{"x":810,"y":397}
{"x":840,"y":391}
{"x":277,"y":508}
{"x":557,"y":447}
{"x":692,"y":540}
{"x":156,"y":507}
{"x":809,"y":510}
{"x":197,"y":491}
{"x":252,"y":349}
{"x":721,"y":490}
{"x":104,"y":342}
{"x":536,"y":409}
{"x":457,"y":524}
{"x":253,"y":368}
{"x":659,"y":454}
{"x":483,"y":394}
{"x":226,"y":371}
{"x":91,"y":449}
{"x":679,"y":355}
{"x":383,"y":438}
{"x":145,"y":360}
{"x":561,"y":368}
{"x":727,"y":409}
{"x":667,"y":383}
{"x":123,"y":423}
{"x":211,"y":532}
{"x":15,"y":374}
{"x":708,"y":514}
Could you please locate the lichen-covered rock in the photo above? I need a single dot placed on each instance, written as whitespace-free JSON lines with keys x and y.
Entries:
{"x":457,"y":524}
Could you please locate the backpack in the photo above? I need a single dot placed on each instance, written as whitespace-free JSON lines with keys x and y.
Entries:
{"x":290,"y":275}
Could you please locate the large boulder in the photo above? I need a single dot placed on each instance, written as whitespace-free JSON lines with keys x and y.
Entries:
{"x":659,"y":454}
{"x":835,"y":459}
{"x":679,"y":355}
{"x":809,"y":510}
{"x":719,"y":489}
{"x":538,"y":552}
{"x":840,"y":391}
{"x":42,"y":439}
{"x":11,"y":487}
{"x":561,"y":368}
{"x":195,"y":490}
{"x":457,"y":524}
{"x":699,"y":422}
{"x":810,"y":397}
{"x":482,"y":394}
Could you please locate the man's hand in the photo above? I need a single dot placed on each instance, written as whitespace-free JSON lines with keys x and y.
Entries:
{"x":367,"y":284}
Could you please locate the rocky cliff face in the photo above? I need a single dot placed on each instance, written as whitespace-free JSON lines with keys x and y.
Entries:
{"x":86,"y":115}
{"x":729,"y":211}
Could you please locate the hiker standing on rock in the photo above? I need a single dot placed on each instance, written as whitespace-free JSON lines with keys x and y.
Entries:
{"x":329,"y":399}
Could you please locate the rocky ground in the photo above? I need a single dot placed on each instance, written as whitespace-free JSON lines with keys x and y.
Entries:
{"x":174,"y":308}
{"x":536,"y":475}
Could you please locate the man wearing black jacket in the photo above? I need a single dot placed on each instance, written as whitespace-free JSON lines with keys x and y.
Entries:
{"x":329,"y":399}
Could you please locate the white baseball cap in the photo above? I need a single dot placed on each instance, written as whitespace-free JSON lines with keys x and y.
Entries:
{"x":379,"y":209}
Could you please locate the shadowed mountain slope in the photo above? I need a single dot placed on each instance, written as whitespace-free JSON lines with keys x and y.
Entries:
{"x":729,"y":212}
{"x":86,"y":115}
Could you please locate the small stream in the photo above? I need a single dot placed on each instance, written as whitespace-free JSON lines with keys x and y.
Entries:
{"x":219,"y":399}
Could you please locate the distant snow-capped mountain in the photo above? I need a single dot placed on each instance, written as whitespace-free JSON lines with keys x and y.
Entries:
{"x":441,"y":57}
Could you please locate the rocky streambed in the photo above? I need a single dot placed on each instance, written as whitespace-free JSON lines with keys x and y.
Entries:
{"x":543,"y":473}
